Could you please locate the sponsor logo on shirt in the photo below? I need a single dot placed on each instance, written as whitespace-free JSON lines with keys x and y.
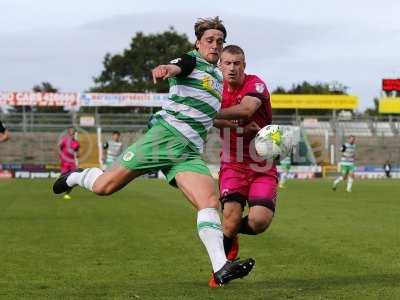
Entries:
{"x":210,"y":84}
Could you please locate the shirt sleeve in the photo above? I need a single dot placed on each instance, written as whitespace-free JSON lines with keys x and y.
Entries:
{"x":62,"y":144}
{"x":2,"y":128}
{"x":186,"y":62}
{"x":76,"y":146}
{"x":258,"y":90}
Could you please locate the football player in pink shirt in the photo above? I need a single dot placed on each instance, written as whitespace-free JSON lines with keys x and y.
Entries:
{"x":68,"y":150}
{"x":244,"y":178}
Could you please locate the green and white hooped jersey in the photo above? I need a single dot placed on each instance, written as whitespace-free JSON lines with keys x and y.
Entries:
{"x":194,"y":101}
{"x":348,"y":154}
{"x":114,"y":149}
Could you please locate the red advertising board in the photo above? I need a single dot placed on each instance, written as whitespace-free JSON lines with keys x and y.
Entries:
{"x":391,"y":85}
{"x":39,"y":99}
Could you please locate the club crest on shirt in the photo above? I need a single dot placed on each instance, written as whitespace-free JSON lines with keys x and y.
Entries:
{"x":128,"y":156}
{"x":260,"y":87}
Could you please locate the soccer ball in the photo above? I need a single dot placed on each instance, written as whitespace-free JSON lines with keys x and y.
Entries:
{"x":273,"y":141}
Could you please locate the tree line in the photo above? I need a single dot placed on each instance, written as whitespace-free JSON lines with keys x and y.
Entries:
{"x":129,"y":71}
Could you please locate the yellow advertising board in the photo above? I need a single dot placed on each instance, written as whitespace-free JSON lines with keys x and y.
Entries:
{"x":389,"y":105}
{"x":314,"y":101}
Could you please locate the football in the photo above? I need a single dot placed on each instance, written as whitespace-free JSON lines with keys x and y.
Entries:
{"x":272,"y":141}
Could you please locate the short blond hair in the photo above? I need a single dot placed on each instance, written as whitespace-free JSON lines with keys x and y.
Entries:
{"x":233,"y":49}
{"x":204,"y":24}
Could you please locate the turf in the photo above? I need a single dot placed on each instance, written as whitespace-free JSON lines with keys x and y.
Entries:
{"x":141,"y":243}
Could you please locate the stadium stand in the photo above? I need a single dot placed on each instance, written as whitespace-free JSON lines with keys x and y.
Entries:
{"x":35,"y":136}
{"x":357,"y":128}
{"x":383,"y":129}
{"x":317,"y":128}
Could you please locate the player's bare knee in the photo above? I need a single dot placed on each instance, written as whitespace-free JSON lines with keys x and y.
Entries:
{"x":259,"y":225}
{"x":103,"y":189}
{"x":232,"y":221}
{"x":232,"y":209}
{"x":100,"y":191}
{"x":231,"y":226}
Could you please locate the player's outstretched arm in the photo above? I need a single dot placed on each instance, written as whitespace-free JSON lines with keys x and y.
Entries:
{"x":163,"y":72}
{"x":182,"y":66}
{"x":244,"y":110}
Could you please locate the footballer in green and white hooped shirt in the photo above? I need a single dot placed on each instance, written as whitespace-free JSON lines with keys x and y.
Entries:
{"x":174,"y":143}
{"x":112,"y":149}
{"x":347,"y":166}
{"x":286,"y":164}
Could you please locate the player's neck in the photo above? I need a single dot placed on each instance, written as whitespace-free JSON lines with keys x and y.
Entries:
{"x":232,"y":86}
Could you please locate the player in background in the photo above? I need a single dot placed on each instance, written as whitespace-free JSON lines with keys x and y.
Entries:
{"x":4,"y":133}
{"x":347,"y":166}
{"x":387,"y":167}
{"x":68,"y":152}
{"x":286,"y":164}
{"x":174,"y":143}
{"x":244,"y":178}
{"x":112,"y":149}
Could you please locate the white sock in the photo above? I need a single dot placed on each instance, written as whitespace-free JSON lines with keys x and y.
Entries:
{"x":337,"y":180}
{"x":210,"y":232}
{"x":85,"y":179}
{"x":349,"y":184}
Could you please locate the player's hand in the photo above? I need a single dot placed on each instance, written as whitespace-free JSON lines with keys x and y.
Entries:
{"x":251,"y":129}
{"x":164,"y":71}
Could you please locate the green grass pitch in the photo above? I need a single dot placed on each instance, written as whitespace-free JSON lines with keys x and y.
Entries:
{"x":141,"y":243}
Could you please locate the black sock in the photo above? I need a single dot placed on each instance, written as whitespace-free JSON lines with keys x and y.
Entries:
{"x":245,"y":228}
{"x":227,"y":244}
